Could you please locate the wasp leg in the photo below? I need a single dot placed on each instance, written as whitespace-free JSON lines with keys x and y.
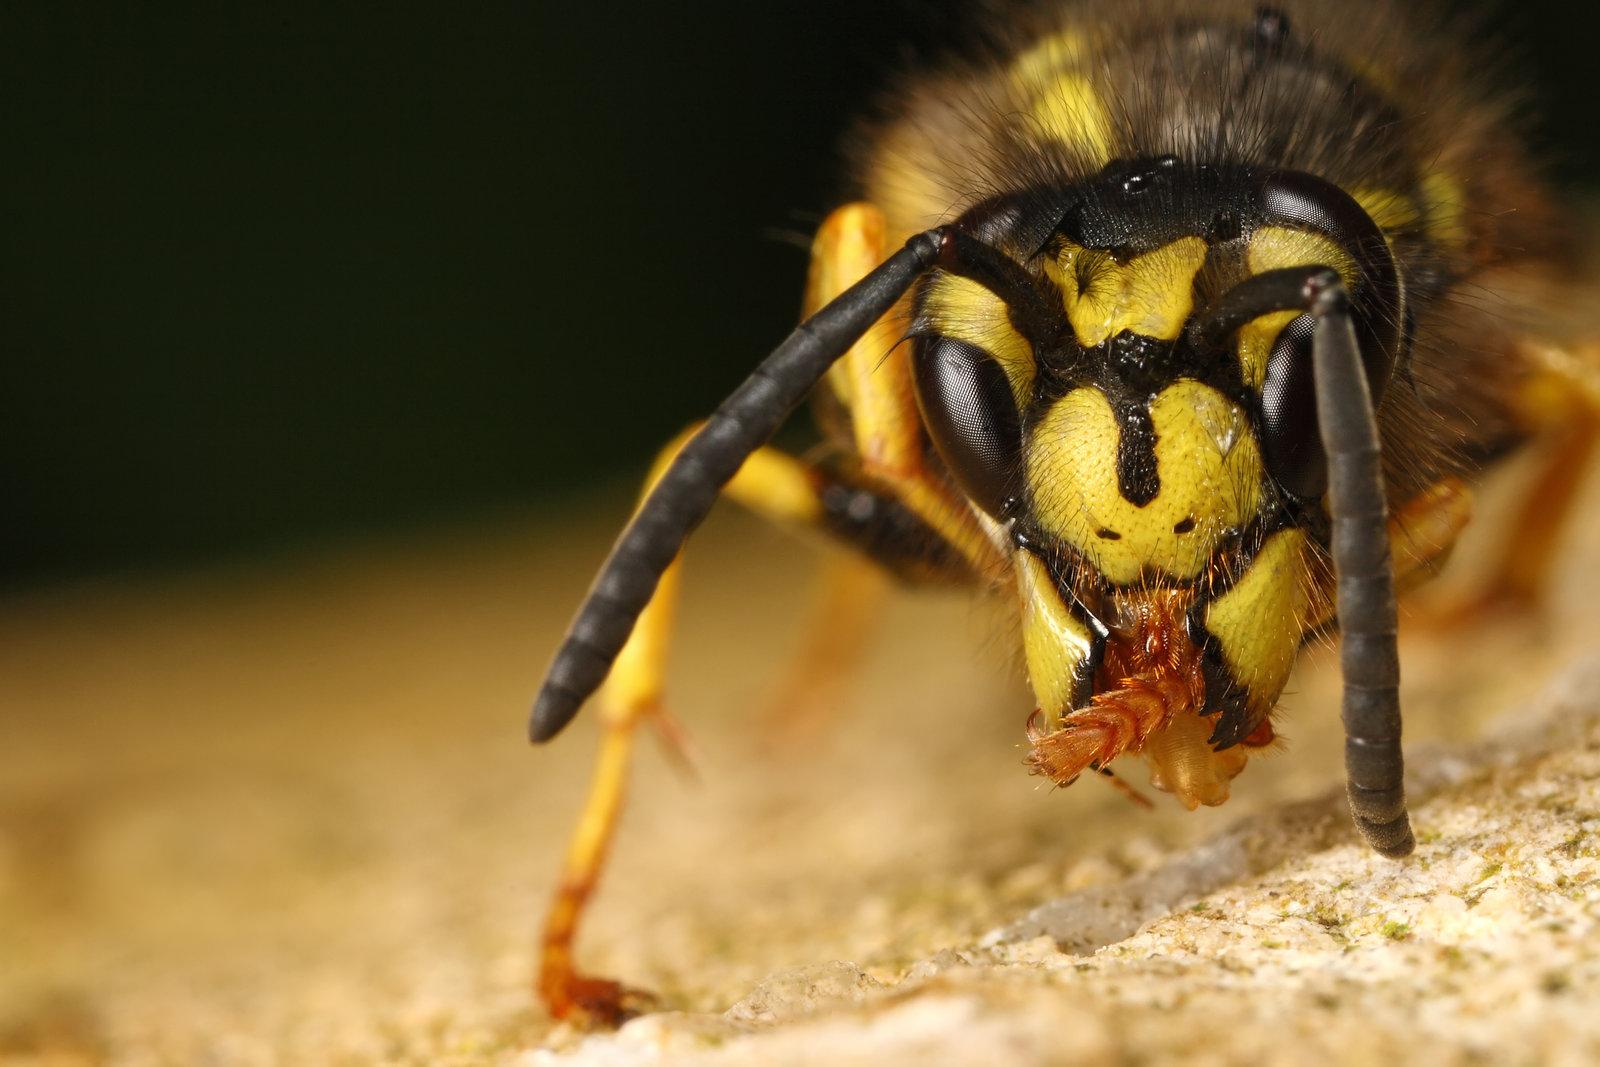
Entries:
{"x":1560,"y":403}
{"x":874,"y":383}
{"x":772,"y":483}
{"x":1424,"y":529}
{"x":887,"y":543}
{"x":891,"y":489}
{"x":885,"y":536}
{"x":1422,"y":533}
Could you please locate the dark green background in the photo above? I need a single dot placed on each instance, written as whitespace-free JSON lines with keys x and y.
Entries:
{"x":273,"y":277}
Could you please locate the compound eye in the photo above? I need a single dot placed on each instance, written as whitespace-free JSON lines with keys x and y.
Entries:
{"x":971,"y":414}
{"x":1291,"y":441}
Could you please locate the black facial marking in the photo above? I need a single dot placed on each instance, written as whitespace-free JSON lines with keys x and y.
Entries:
{"x":1139,"y":178}
{"x":1131,"y":207}
{"x":1223,"y":692}
{"x":1024,"y":221}
{"x":1141,"y":361}
{"x":1225,"y":226}
{"x":1232,"y":699}
{"x":1025,"y":539}
{"x":1138,"y":479}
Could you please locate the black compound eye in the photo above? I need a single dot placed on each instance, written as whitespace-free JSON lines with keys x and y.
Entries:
{"x":1306,"y":202}
{"x":971,"y":414}
{"x":1291,"y":442}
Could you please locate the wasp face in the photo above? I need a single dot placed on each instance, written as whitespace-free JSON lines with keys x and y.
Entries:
{"x":1154,"y":455}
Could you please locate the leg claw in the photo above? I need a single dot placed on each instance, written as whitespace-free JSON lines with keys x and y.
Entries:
{"x":596,"y":1003}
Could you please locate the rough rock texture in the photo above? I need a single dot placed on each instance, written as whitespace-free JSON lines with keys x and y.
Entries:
{"x":286,"y":816}
{"x":1280,"y":940}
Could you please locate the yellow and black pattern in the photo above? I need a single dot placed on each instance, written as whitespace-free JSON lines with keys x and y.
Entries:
{"x":1118,"y":151}
{"x":1207,"y":303}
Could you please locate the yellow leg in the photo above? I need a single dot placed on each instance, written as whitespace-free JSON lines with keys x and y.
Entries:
{"x":1424,"y":529}
{"x":874,"y":381}
{"x":1422,"y":533}
{"x":772,"y":483}
{"x":1562,"y":403}
{"x":1559,"y":403}
{"x":567,"y":993}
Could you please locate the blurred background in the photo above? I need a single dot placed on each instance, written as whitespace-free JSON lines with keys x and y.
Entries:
{"x":333,"y":342}
{"x":274,"y":279}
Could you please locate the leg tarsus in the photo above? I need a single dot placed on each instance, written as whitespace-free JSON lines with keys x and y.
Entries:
{"x":570,"y":995}
{"x":1126,"y":788}
{"x":593,"y":1003}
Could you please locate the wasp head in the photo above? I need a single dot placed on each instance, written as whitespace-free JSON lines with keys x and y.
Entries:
{"x":1113,"y":392}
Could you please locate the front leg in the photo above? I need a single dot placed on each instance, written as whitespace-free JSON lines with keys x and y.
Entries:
{"x":881,"y":534}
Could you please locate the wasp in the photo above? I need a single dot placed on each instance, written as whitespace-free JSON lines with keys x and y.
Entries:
{"x":1184,"y":324}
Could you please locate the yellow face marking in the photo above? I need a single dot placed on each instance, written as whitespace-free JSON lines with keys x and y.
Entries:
{"x":1260,"y":621}
{"x":1274,"y":248}
{"x":1389,"y":210}
{"x":1151,"y":294}
{"x":1446,"y":209}
{"x":1054,"y":643}
{"x":1256,"y":339}
{"x":1062,"y":102}
{"x":966,"y":311}
{"x":1209,"y":466}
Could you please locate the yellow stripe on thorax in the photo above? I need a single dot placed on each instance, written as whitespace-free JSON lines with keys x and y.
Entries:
{"x":1209,"y":466}
{"x":1151,"y":294}
{"x":1446,"y":206}
{"x":1388,"y":209}
{"x":1061,"y":100}
{"x":1439,"y":209}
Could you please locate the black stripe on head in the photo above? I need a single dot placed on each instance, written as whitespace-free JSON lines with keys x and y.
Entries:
{"x":1138,"y":478}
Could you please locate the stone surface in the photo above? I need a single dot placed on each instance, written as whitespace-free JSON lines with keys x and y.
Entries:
{"x":286,"y":816}
{"x":1279,"y":941}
